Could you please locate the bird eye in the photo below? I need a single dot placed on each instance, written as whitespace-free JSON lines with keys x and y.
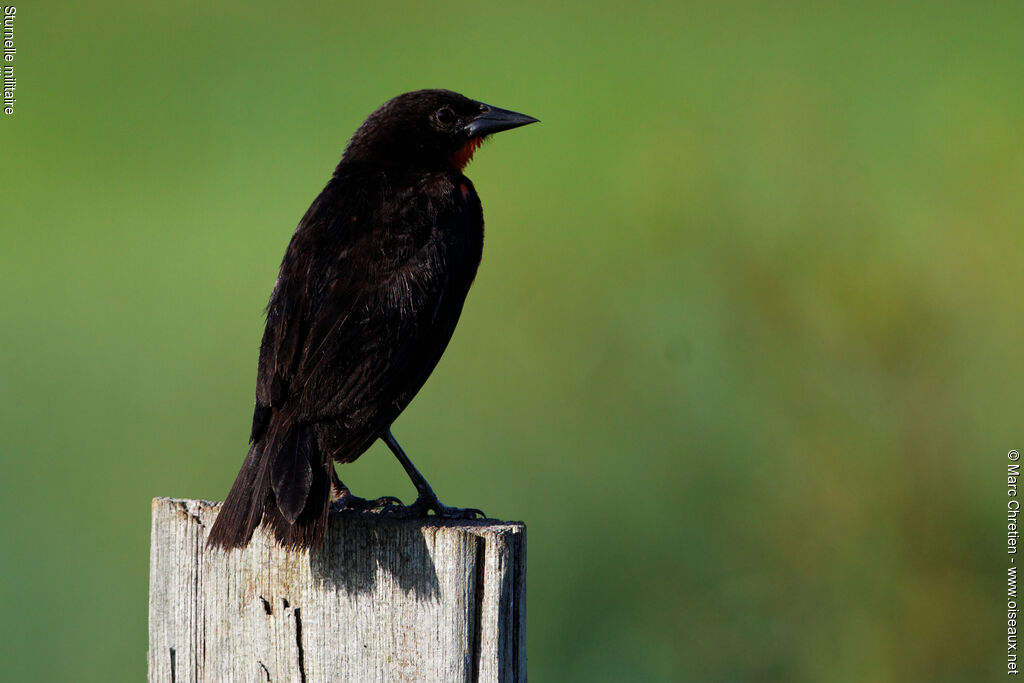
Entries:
{"x":445,"y":116}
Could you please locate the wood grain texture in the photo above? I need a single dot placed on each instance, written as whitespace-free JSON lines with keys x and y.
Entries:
{"x":384,"y":600}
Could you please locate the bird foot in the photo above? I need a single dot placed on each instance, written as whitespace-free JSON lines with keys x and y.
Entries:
{"x":424,"y":506}
{"x":349,"y":502}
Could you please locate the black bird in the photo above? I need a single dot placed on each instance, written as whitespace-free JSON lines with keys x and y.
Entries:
{"x":369,"y":292}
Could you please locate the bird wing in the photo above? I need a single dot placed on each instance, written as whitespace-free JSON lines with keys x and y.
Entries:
{"x":354,"y":331}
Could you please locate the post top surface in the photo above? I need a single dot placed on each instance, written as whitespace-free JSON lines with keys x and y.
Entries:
{"x":194,"y":506}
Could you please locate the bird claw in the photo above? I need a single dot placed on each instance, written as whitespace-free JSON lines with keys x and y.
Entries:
{"x":423,"y":507}
{"x":461,"y":513}
{"x":350,"y":502}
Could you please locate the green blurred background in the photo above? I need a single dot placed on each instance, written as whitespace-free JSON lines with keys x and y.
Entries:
{"x":744,"y":351}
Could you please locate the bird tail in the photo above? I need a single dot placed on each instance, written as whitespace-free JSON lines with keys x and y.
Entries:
{"x":284,"y":484}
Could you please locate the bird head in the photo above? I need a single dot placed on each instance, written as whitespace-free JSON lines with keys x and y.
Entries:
{"x":429,"y":129}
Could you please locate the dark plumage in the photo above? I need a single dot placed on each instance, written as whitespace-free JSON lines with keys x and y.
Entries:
{"x":368,"y":296}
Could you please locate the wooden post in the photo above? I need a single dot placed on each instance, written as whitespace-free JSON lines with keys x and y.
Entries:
{"x":384,"y":600}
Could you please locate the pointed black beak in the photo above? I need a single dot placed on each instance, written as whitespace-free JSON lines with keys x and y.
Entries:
{"x":494,"y":120}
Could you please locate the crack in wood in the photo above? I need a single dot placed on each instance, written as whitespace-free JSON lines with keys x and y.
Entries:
{"x":298,"y":643}
{"x":517,"y":588}
{"x":194,"y":516}
{"x":477,"y":615}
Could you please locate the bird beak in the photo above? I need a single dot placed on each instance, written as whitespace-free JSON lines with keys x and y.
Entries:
{"x":494,"y":120}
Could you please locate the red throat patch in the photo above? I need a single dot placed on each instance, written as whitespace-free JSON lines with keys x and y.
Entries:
{"x":464,"y":155}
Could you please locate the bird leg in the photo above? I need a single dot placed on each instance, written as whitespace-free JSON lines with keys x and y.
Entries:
{"x":427,"y":500}
{"x":342,"y":498}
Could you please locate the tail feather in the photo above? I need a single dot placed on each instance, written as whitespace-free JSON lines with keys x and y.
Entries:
{"x":241,"y":511}
{"x":296,"y":514}
{"x":291,"y":472}
{"x":307,"y":531}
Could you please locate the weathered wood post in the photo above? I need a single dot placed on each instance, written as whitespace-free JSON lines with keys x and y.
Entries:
{"x":384,"y":600}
